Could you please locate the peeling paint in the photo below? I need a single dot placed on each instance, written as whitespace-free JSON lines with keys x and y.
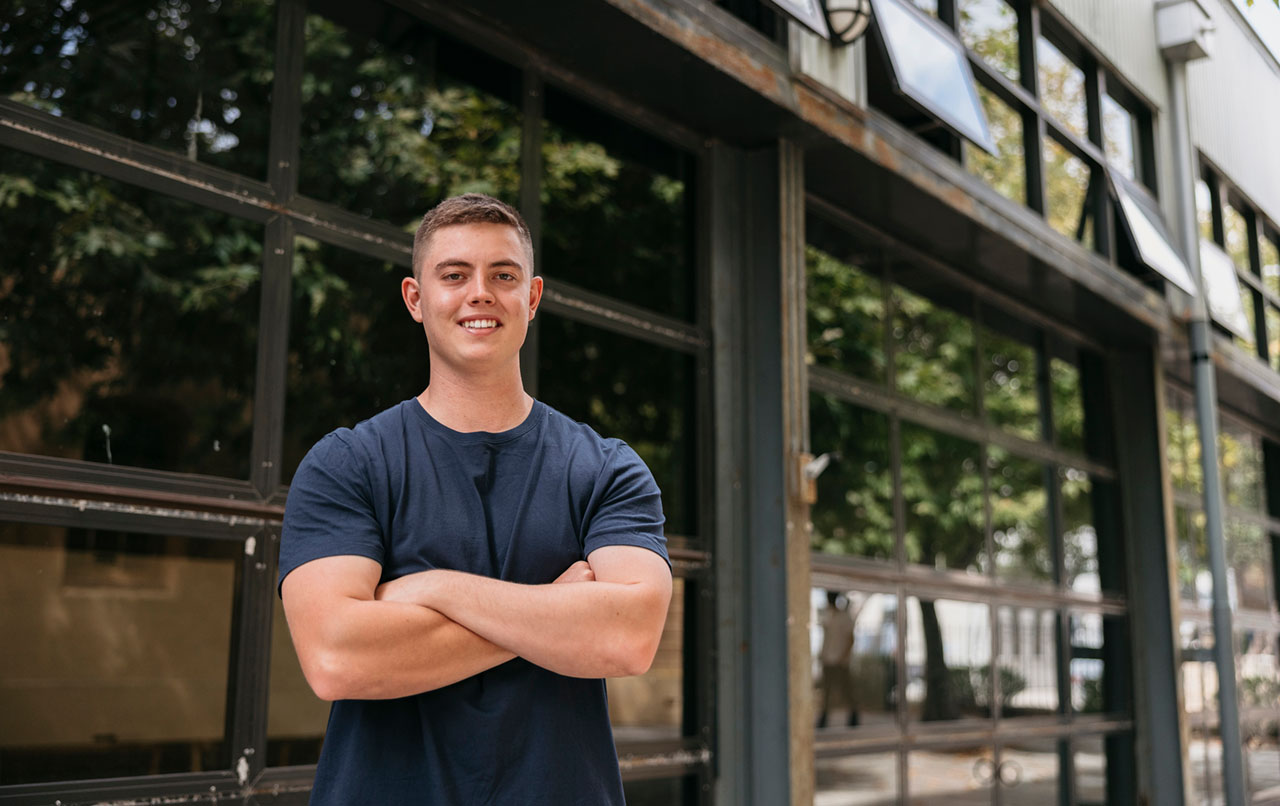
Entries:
{"x":242,"y":766}
{"x":89,"y":504}
{"x":250,"y":546}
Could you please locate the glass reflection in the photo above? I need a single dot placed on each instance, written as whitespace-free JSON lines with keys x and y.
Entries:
{"x":1090,"y":765}
{"x":1270,"y":254}
{"x":846,"y":313}
{"x":1183,"y":440}
{"x":1119,"y":137}
{"x":1236,"y":231}
{"x":1028,"y":661}
{"x":864,"y":780}
{"x":1230,"y":301}
{"x":1240,"y":452}
{"x":990,"y":29}
{"x":1068,"y":405}
{"x":188,"y":77}
{"x":397,"y":117}
{"x":853,"y":643}
{"x":854,"y":511}
{"x":1066,"y":187}
{"x":1273,"y":336}
{"x":1062,"y":88}
{"x":1028,"y":772}
{"x":1009,"y":384}
{"x":1195,"y":584}
{"x":1204,"y":209}
{"x":117,"y":651}
{"x":637,"y":392}
{"x":1007,"y":172}
{"x":649,"y":706}
{"x":617,"y":209}
{"x":934,"y":360}
{"x":943,"y":496}
{"x":1248,"y":564}
{"x":296,"y":717}
{"x":1080,"y":537}
{"x":1019,"y":506}
{"x":153,"y":307}
{"x":961,"y":776}
{"x":948,"y":656}
{"x":1087,"y":669}
{"x":353,"y":350}
{"x":1259,"y":671}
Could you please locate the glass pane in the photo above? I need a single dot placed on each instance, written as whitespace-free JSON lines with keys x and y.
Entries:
{"x":1080,"y":537}
{"x":934,"y":360}
{"x":153,"y":307}
{"x":1090,"y":762}
{"x":1006,"y":173}
{"x":1151,"y":238}
{"x":1183,"y":438}
{"x":1259,"y":670}
{"x":1195,"y":584}
{"x":1028,"y":661}
{"x":963,"y":776}
{"x":1230,"y":300}
{"x":617,"y":209}
{"x":1028,"y":772}
{"x":631,"y":390}
{"x":353,"y":349}
{"x":927,"y":6}
{"x":1273,"y":336}
{"x":943,"y":494}
{"x":396,"y":116}
{"x":650,"y":706}
{"x":1068,"y":405}
{"x":1240,"y":452}
{"x":1009,"y":384}
{"x":1270,"y":254}
{"x":659,"y":792}
{"x":1019,"y":518}
{"x":853,"y":642}
{"x":1066,"y":190}
{"x":1248,"y":564}
{"x":1062,"y":88}
{"x":990,"y":28}
{"x":1120,"y":137}
{"x":117,"y":651}
{"x":1236,"y":230}
{"x":948,"y":660}
{"x":931,"y":68}
{"x":1249,"y":341}
{"x":296,"y":717}
{"x":846,"y":317}
{"x":854,"y":511}
{"x":1089,"y":674}
{"x":1204,"y":209}
{"x":865,"y":780}
{"x":187,"y":77}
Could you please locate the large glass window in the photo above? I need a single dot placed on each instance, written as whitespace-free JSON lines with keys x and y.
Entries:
{"x":1006,"y":172}
{"x":128,"y":324}
{"x":1120,"y":137}
{"x":846,"y":316}
{"x":948,"y":660}
{"x":990,"y":29}
{"x":1062,"y":90}
{"x":943,"y":495}
{"x":934,"y":358}
{"x":1066,"y":179}
{"x":854,"y":511}
{"x":118,"y":648}
{"x":188,"y":77}
{"x":397,"y":116}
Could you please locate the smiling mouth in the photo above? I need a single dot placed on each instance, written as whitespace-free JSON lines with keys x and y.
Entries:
{"x":479,"y":324}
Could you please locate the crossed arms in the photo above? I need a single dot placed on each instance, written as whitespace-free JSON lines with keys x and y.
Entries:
{"x":358,"y":640}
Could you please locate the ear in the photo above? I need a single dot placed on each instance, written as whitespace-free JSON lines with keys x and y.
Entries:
{"x":412,"y":294}
{"x":535,"y":296}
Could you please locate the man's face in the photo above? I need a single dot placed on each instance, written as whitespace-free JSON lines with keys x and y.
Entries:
{"x":474,"y":295}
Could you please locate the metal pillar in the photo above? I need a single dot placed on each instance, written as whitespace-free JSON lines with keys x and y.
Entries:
{"x":1207,"y":422}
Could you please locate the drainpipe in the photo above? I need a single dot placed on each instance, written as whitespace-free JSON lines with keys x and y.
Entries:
{"x":1183,"y":29}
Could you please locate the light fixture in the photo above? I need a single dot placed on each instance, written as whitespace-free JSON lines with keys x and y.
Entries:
{"x":847,"y":19}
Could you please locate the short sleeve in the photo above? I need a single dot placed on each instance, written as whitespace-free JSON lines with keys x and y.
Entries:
{"x":629,"y":508}
{"x":329,"y":511}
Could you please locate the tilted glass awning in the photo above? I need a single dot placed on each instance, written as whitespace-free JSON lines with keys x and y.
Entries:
{"x":929,"y":68}
{"x":806,"y":12}
{"x":1222,"y":290}
{"x":1145,"y":227}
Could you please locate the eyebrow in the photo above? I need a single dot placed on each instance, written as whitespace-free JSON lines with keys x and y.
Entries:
{"x":451,"y":262}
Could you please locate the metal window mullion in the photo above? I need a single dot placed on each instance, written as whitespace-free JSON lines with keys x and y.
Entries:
{"x":532,"y":96}
{"x":249,"y":675}
{"x":1099,"y":201}
{"x":1262,"y":348}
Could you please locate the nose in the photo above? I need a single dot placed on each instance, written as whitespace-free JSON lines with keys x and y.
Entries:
{"x":479,"y":293}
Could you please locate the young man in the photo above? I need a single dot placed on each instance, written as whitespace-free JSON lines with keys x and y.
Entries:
{"x":460,"y":571}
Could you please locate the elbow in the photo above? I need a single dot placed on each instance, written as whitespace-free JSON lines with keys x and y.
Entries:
{"x":635,"y":657}
{"x":328,"y":677}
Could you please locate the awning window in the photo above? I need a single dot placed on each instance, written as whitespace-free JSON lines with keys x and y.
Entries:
{"x":1145,"y":226}
{"x":1222,"y":290}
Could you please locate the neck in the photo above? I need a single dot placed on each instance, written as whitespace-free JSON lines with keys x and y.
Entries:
{"x":493,"y":403}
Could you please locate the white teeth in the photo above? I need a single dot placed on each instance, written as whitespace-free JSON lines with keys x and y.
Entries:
{"x":478,"y":323}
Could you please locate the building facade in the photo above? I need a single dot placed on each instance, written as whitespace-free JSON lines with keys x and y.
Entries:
{"x":900,"y":327}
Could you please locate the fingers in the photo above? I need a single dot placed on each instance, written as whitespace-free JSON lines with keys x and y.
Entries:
{"x":578,"y":572}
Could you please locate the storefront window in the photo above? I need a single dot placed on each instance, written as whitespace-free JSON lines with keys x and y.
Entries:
{"x":934,"y":358}
{"x":1006,"y":172}
{"x":1010,"y":397}
{"x":1067,"y":193}
{"x":1019,"y":518}
{"x":1120,"y":137}
{"x":990,"y":29}
{"x":1028,"y":661}
{"x":1062,"y":87}
{"x":948,"y":660}
{"x":943,"y":494}
{"x":854,"y":511}
{"x":846,"y":317}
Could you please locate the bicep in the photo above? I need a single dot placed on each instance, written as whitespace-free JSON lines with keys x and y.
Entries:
{"x":315,"y":591}
{"x":634,"y":566}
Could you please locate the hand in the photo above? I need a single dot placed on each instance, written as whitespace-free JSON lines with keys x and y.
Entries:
{"x":408,"y":589}
{"x":578,"y":572}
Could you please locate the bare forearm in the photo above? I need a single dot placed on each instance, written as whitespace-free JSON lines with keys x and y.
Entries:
{"x":592,"y":629}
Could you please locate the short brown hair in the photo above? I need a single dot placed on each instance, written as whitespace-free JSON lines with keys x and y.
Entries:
{"x":469,"y":208}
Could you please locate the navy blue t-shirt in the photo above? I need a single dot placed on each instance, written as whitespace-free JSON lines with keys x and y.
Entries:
{"x":519,"y":505}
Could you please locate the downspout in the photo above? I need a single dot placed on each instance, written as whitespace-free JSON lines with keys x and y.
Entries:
{"x":1207,"y":425}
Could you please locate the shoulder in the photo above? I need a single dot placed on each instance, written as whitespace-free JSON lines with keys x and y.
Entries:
{"x":586,"y":451}
{"x":345,"y":452}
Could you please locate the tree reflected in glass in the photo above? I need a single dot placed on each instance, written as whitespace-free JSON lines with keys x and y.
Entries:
{"x":948,"y":656}
{"x":854,"y":511}
{"x":990,"y":29}
{"x":846,"y":317}
{"x":1062,"y":87}
{"x":1067,"y":193}
{"x":1019,"y":502}
{"x":187,"y":77}
{"x":97,"y":270}
{"x":1068,"y":405}
{"x":1006,"y":173}
{"x":934,"y":361}
{"x":943,"y":493}
{"x":1080,"y":536}
{"x":1009,"y":384}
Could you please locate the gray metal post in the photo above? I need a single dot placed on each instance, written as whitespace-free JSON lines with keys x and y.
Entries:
{"x":1207,"y":422}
